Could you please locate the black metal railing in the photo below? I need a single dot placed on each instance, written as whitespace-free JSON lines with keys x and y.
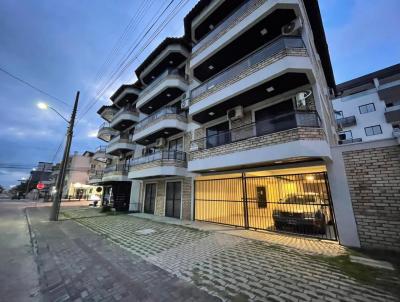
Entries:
{"x":296,"y":203}
{"x":279,"y":123}
{"x":160,"y":155}
{"x":350,"y":141}
{"x":266,"y":51}
{"x":346,"y":121}
{"x":224,"y":24}
{"x":116,"y":168}
{"x":159,"y":114}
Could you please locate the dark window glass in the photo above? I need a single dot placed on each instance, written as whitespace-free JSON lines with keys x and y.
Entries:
{"x":373,"y":130}
{"x":367,"y":108}
{"x":218,"y":135}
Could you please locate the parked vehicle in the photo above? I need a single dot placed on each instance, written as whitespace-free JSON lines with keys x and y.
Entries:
{"x":303,"y":213}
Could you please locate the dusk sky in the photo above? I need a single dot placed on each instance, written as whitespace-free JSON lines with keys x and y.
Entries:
{"x":60,"y":46}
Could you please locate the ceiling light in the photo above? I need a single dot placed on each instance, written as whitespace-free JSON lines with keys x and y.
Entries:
{"x":150,"y":107}
{"x":153,"y":77}
{"x":279,"y":162}
{"x":263,"y":32}
{"x":168,"y":94}
{"x":310,"y":177}
{"x":211,"y":67}
{"x":171,"y":62}
{"x":270,"y":89}
{"x":212,"y":170}
{"x":146,"y":140}
{"x":166,"y":132}
{"x":211,"y":113}
{"x":211,"y":26}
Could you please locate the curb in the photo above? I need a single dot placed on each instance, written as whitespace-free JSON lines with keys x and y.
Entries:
{"x":31,"y":233}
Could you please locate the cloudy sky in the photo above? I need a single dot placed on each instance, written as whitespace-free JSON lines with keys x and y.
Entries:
{"x":63,"y":46}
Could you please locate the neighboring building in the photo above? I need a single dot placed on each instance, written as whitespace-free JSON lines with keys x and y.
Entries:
{"x":368,"y":108}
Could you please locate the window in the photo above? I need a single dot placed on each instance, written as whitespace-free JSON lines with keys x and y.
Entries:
{"x":218,"y":135}
{"x":366,"y":108}
{"x":338,"y":114}
{"x":176,"y":144}
{"x":373,"y":130}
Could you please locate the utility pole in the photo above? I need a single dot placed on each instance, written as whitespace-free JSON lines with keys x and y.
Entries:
{"x":55,"y":209}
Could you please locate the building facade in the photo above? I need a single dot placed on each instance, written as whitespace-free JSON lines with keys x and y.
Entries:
{"x":368,"y":108}
{"x":231,"y":123}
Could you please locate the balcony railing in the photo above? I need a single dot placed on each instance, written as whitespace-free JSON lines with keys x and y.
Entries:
{"x":346,"y":121}
{"x":350,"y":141}
{"x":116,"y":168}
{"x":266,"y":51}
{"x":263,"y":127}
{"x":127,"y":109}
{"x":224,"y":24}
{"x":101,"y":149}
{"x":161,"y":155}
{"x":396,"y":132}
{"x":96,"y":174}
{"x":158,"y":80}
{"x":158,"y":114}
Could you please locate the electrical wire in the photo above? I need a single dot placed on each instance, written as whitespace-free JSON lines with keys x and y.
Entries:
{"x":33,"y":86}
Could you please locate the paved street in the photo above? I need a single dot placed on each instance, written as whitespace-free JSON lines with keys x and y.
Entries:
{"x":18,"y":272}
{"x":89,"y":256}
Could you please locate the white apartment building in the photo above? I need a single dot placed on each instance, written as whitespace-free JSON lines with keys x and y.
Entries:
{"x":231,"y":123}
{"x":368,"y":108}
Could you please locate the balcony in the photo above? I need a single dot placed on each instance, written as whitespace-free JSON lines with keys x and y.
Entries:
{"x":107,"y":112}
{"x":118,"y":146}
{"x":95,"y":177}
{"x":349,"y":141}
{"x":225,"y":24}
{"x":167,"y":87}
{"x":162,"y":163}
{"x":164,"y":122}
{"x":125,"y":118}
{"x":346,"y":121}
{"x":392,"y":114}
{"x":101,"y":155}
{"x":106,"y":132}
{"x":295,"y":135}
{"x":118,"y":172}
{"x":126,"y":94}
{"x":253,"y":79}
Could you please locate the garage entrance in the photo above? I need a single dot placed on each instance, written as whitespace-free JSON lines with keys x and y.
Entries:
{"x":295,"y":203}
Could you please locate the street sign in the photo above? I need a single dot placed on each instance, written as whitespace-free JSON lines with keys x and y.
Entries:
{"x":40,"y":186}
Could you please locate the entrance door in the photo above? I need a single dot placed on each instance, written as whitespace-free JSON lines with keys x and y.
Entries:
{"x":150,"y":198}
{"x":173,"y":200}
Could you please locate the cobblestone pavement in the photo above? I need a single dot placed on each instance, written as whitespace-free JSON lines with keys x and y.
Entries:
{"x":232,"y":268}
{"x":77,"y":265}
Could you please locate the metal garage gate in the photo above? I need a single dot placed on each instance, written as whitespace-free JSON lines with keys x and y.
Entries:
{"x":296,"y":203}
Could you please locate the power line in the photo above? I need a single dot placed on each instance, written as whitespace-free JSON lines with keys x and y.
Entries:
{"x":32,"y":86}
{"x":154,"y":35}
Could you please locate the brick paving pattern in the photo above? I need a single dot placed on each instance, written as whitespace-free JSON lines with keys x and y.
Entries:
{"x":229,"y":267}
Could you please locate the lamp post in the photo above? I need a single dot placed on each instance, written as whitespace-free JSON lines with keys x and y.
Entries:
{"x":55,"y":209}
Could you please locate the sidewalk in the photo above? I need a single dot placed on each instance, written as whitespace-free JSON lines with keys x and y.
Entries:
{"x":75,"y":264}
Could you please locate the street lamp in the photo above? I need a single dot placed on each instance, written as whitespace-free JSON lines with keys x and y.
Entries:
{"x":55,"y":209}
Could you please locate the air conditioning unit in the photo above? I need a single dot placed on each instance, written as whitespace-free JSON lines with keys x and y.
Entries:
{"x":293,"y":28}
{"x":235,"y":113}
{"x":342,"y":136}
{"x":185,"y":103}
{"x":301,"y":98}
{"x":160,"y":142}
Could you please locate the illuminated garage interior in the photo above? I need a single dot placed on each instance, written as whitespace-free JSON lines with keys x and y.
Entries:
{"x":295,"y":200}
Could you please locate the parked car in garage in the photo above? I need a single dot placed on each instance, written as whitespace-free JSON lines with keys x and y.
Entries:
{"x":303,"y":213}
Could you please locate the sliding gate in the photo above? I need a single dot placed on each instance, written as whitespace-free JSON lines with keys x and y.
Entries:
{"x":296,"y":203}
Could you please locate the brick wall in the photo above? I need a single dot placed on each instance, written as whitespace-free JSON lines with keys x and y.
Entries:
{"x":374,"y":182}
{"x":252,"y":69}
{"x":261,"y":141}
